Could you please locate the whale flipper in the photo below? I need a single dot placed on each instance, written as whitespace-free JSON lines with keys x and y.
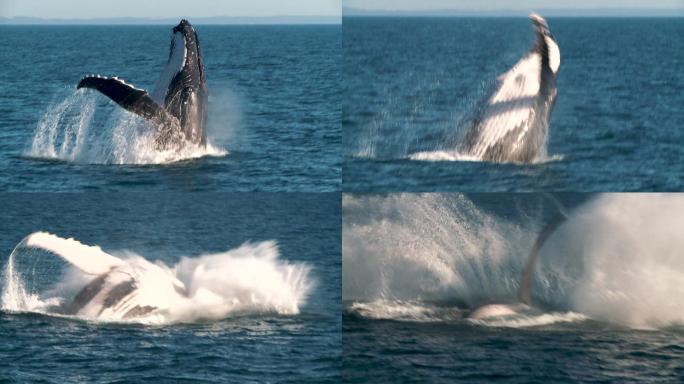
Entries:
{"x":118,"y":288}
{"x":514,"y":124}
{"x":132,"y":99}
{"x":178,"y":105}
{"x":89,"y":259}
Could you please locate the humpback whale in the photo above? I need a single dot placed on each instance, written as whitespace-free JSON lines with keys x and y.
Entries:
{"x":513,"y":125}
{"x":524,"y":297}
{"x":178,"y":105}
{"x":118,"y":289}
{"x":528,"y":273}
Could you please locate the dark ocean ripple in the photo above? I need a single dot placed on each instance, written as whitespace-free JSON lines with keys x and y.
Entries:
{"x":383,"y":351}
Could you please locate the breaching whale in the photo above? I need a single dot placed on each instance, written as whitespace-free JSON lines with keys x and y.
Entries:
{"x":524,"y":304}
{"x":524,"y":295}
{"x":513,"y":125}
{"x":118,"y":289}
{"x":178,"y":105}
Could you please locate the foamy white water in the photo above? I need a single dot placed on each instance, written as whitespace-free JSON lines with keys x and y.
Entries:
{"x":430,"y":247}
{"x":522,"y":320}
{"x":71,"y":131}
{"x":442,"y":156}
{"x":422,"y":312}
{"x":250,"y":279}
{"x":457,"y":156}
{"x":400,"y":310}
{"x":616,"y":259}
{"x":620,"y":259}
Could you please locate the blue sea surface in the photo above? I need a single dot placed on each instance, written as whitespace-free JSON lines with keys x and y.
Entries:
{"x":244,"y":348}
{"x":409,"y":82}
{"x":387,"y":351}
{"x":274,"y":106}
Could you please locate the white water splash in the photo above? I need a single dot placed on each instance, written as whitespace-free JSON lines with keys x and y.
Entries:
{"x":457,"y":156}
{"x":622,"y":259}
{"x":422,"y":312}
{"x":248,"y":280}
{"x":14,"y":295}
{"x":442,"y":156}
{"x":399,"y":310}
{"x":618,"y":259}
{"x":79,"y":129}
{"x":430,"y":247}
{"x":522,"y":320}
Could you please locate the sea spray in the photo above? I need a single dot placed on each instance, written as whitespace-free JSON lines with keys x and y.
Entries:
{"x":14,"y":297}
{"x":429,"y":247}
{"x":619,"y":259}
{"x":248,"y":280}
{"x":63,"y":128}
{"x":86,"y":128}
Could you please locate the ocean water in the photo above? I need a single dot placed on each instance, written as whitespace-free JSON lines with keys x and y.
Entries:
{"x":266,"y":339}
{"x":274,"y":110}
{"x":431,"y":285}
{"x":410,"y":83}
{"x":385,"y":351}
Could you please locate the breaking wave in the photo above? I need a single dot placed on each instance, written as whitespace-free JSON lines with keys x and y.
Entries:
{"x":85,"y":128}
{"x":248,"y":280}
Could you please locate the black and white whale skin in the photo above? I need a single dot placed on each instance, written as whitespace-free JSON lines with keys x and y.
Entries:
{"x":178,"y":105}
{"x":117,"y":289}
{"x":513,"y":125}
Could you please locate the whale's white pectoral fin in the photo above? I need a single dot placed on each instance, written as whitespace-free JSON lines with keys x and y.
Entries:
{"x":89,"y":259}
{"x":177,"y":58}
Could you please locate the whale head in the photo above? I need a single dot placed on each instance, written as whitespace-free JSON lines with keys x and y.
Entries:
{"x":544,"y":33}
{"x":181,"y":88}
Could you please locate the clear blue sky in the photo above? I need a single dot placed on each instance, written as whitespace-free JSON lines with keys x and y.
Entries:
{"x":82,"y":9}
{"x":494,"y":5}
